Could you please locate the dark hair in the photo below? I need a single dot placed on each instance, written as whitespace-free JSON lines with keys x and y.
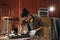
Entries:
{"x":25,"y":13}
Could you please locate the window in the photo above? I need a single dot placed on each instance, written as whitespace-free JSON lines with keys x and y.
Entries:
{"x":43,"y":12}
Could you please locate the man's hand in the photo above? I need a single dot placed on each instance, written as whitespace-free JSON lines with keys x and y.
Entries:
{"x":32,"y":33}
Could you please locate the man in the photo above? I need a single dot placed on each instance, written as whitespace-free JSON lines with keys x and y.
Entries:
{"x":33,"y":22}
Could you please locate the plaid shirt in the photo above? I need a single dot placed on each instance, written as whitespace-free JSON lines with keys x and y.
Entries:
{"x":37,"y":22}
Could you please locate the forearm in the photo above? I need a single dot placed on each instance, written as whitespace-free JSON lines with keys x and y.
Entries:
{"x":38,"y":28}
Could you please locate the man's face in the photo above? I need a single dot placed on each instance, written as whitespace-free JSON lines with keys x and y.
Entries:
{"x":26,"y":18}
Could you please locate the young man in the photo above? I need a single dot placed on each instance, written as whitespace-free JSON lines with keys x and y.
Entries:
{"x":33,"y":22}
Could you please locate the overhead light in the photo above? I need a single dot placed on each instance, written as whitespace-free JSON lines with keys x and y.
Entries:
{"x":51,"y":8}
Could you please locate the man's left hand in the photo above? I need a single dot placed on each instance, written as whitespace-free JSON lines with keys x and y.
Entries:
{"x":32,"y":33}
